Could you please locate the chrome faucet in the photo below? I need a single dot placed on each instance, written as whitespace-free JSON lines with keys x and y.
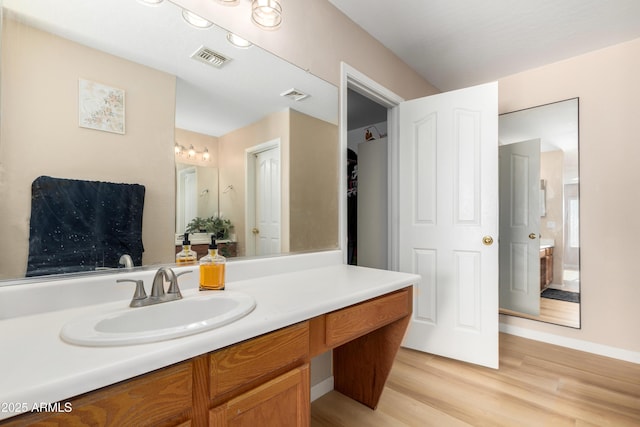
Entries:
{"x":158,"y":294}
{"x":126,"y":261}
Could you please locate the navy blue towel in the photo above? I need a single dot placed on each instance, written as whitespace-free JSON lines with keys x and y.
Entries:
{"x":79,"y":225}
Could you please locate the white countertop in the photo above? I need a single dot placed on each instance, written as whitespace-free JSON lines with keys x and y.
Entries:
{"x":37,"y":366}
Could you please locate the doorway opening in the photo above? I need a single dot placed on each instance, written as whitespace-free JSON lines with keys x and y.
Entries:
{"x":369,"y":154}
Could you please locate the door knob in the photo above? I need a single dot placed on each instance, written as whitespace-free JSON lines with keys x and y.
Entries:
{"x":487,"y":240}
{"x":255,"y":230}
{"x":532,"y":236}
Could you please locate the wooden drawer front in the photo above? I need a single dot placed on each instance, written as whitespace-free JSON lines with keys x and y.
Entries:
{"x":245,"y":364}
{"x":282,"y":402}
{"x":157,"y":399}
{"x":351,"y":322}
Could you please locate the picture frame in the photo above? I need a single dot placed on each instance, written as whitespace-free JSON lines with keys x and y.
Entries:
{"x":101,"y":107}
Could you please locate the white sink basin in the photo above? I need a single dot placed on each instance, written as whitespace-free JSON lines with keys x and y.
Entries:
{"x":190,"y":315}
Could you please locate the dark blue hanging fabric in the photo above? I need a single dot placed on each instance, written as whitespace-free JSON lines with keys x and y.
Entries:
{"x":79,"y":225}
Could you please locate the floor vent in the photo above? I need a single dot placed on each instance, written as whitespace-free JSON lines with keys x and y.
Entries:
{"x":210,"y":57}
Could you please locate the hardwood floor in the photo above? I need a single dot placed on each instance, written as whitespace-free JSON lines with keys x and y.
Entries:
{"x":537,"y":385}
{"x":554,"y":311}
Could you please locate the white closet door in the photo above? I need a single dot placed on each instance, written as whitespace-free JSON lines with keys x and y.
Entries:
{"x":520,"y":227}
{"x":448,"y":197}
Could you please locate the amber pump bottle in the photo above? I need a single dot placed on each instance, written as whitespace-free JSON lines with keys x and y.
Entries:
{"x":212,"y":268}
{"x":186,"y":255}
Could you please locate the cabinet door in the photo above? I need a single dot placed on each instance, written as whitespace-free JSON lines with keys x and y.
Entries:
{"x":282,"y":402}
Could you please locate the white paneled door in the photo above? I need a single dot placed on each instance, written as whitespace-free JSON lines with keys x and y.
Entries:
{"x":448,"y":221}
{"x":520,"y":227}
{"x":267,"y":232}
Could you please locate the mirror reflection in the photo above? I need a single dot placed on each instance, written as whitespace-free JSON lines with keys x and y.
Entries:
{"x":539,"y":213}
{"x":146,"y":97}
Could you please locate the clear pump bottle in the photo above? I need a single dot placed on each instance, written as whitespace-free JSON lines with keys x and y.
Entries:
{"x":186,"y":255}
{"x":212,"y":268}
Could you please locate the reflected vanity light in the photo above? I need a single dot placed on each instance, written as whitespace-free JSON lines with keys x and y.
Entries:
{"x":192,"y":153}
{"x":195,"y":20}
{"x":238,"y":41}
{"x":266,"y":14}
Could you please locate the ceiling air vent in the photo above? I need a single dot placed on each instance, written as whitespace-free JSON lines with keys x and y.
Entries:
{"x":210,"y":57}
{"x":295,"y":94}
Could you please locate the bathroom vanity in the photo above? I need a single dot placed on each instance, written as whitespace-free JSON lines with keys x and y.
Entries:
{"x":546,"y":266}
{"x":254,"y":371}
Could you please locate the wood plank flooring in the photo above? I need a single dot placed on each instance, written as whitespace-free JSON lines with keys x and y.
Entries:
{"x":554,"y":311}
{"x":538,"y":384}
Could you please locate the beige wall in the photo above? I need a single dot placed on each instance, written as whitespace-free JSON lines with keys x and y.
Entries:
{"x":607,"y":82}
{"x":316,"y":37}
{"x":551,"y":171}
{"x":231,"y":151}
{"x":313,"y":181}
{"x":40,"y":135}
{"x":200,"y":142}
{"x":308,"y":152}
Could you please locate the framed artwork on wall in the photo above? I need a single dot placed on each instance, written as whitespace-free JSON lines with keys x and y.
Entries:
{"x":100,"y":107}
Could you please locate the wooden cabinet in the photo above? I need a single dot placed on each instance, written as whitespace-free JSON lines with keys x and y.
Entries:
{"x":546,"y":267}
{"x":263,"y":381}
{"x":283,"y":401}
{"x":161,"y":398}
{"x":365,"y":338}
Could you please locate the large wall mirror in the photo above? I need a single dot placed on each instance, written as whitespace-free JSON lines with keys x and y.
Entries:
{"x":539,"y":213}
{"x":191,"y":128}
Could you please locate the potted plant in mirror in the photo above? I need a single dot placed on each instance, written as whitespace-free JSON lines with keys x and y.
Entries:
{"x":217,"y":226}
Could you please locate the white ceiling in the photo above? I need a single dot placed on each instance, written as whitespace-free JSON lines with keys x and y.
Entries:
{"x":208,"y":100}
{"x":459,"y":43}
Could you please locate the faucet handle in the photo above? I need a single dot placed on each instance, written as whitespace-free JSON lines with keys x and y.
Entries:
{"x":173,"y":286}
{"x":140,"y":293}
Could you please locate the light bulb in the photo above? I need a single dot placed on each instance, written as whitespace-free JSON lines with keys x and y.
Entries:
{"x":266,"y":14}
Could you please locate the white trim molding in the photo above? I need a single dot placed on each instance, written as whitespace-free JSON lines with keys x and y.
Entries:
{"x":586,"y":346}
{"x":322,"y":388}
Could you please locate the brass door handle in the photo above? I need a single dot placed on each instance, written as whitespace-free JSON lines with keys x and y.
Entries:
{"x":255,"y":230}
{"x":487,"y":240}
{"x":532,"y":236}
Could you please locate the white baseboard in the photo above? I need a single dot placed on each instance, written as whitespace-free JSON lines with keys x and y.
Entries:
{"x":321,"y":388}
{"x":589,"y":347}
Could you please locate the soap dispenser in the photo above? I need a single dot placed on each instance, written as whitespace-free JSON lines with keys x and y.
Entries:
{"x":186,"y":255}
{"x":212,"y":268}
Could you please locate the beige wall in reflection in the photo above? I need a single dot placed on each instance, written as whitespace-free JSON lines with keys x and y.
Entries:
{"x":309,"y":159}
{"x":40,"y":135}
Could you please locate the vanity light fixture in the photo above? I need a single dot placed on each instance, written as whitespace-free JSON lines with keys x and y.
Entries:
{"x":192,"y":153}
{"x":195,"y":20}
{"x":266,"y":14}
{"x":150,"y":2}
{"x":238,"y":41}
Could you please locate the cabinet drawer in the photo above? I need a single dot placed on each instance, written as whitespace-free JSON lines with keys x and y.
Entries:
{"x":243,"y":366}
{"x":282,"y":401}
{"x":352,"y":322}
{"x":156,"y":399}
